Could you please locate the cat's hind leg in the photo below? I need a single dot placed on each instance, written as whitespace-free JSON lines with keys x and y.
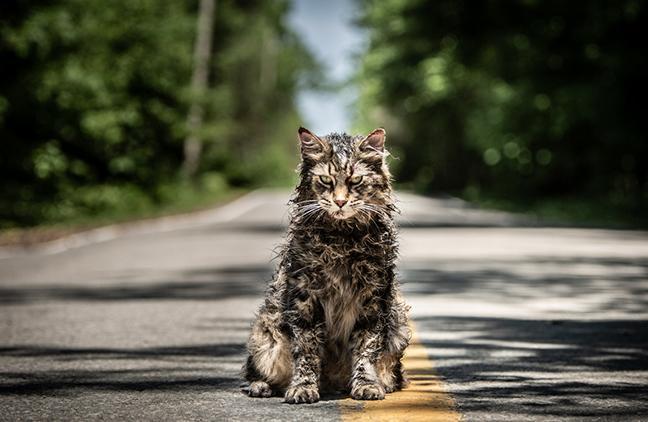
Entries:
{"x":259,"y":389}
{"x":257,"y":386}
{"x":269,"y":363}
{"x":391,"y":373}
{"x":390,"y":367}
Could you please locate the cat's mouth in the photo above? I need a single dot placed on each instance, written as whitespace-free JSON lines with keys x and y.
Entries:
{"x":342,"y":214}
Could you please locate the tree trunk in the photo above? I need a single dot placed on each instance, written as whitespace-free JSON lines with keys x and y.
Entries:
{"x":202,"y":54}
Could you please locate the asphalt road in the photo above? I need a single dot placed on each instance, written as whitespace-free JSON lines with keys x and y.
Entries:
{"x":521,"y":323}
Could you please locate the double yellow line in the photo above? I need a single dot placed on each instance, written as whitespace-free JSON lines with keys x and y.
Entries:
{"x":425,"y":399}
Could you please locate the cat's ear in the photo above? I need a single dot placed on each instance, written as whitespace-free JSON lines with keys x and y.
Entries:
{"x":311,"y":146}
{"x":374,"y":143}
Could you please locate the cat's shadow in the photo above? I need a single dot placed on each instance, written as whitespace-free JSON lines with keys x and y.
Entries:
{"x":334,"y":396}
{"x":324,"y":396}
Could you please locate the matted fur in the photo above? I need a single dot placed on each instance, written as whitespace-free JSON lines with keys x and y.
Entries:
{"x":333,"y":317}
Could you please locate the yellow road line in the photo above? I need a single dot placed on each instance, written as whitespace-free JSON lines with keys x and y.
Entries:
{"x":425,"y":399}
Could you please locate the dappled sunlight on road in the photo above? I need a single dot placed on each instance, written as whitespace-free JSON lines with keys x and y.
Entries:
{"x":553,"y":287}
{"x":533,"y":367}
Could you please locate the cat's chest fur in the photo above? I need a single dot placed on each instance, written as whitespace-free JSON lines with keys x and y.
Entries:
{"x":343,"y":266}
{"x":340,"y":302}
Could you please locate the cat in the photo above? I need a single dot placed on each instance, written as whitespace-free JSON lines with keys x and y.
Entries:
{"x":333,"y":318}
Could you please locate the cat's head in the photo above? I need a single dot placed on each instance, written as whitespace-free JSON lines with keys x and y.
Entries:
{"x":344,"y":177}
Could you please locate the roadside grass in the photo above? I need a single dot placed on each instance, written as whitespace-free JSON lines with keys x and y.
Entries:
{"x":107,"y":205}
{"x":569,"y":211}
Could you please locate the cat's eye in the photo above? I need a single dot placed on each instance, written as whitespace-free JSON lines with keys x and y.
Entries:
{"x":355,"y":179}
{"x":327,"y":180}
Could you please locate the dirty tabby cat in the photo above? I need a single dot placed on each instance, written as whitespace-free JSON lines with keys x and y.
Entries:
{"x":333,"y":318}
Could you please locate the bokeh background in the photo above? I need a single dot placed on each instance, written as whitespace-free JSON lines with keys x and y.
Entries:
{"x":126,"y":109}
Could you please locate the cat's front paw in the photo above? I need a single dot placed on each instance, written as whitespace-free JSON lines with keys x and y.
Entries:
{"x":368,"y":392}
{"x":306,"y":393}
{"x":259,"y":389}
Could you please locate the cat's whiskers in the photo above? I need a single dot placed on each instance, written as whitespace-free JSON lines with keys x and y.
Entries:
{"x":306,"y":201}
{"x":304,"y":204}
{"x":370,"y":217}
{"x":309,"y":210}
{"x":365,"y":214}
{"x":312,"y":214}
{"x":374,"y":209}
{"x":307,"y":215}
{"x":304,"y":210}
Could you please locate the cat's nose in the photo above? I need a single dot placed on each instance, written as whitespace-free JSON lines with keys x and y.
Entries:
{"x":340,"y":202}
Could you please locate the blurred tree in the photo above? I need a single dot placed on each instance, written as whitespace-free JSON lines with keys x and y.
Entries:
{"x":202,"y":54}
{"x":94,"y":99}
{"x":523,"y":99}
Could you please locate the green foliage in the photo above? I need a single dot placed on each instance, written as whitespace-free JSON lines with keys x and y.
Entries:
{"x":92,"y":205}
{"x":522,"y":99}
{"x":94,"y":100}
